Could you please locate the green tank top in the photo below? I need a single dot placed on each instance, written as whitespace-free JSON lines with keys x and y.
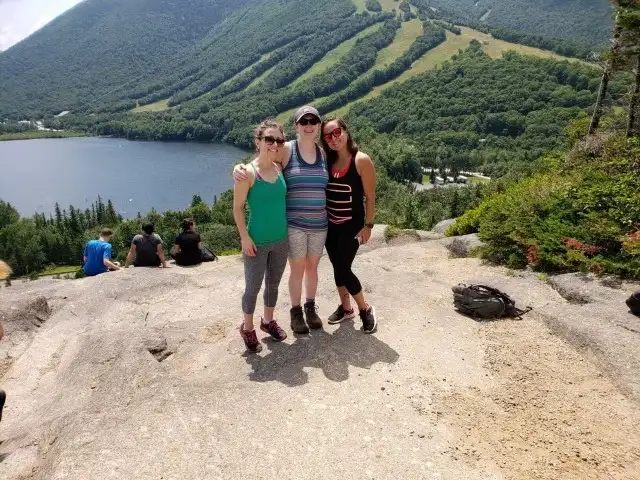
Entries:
{"x":267,"y":210}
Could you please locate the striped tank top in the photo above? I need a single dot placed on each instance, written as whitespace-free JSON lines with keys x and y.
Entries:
{"x":306,"y":195}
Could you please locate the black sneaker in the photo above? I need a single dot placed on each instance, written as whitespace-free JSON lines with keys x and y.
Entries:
{"x":313,"y":320}
{"x":340,"y":315}
{"x":369,"y":320}
{"x":3,"y":397}
{"x":250,"y":340}
{"x":298,"y":324}
{"x":273,"y":329}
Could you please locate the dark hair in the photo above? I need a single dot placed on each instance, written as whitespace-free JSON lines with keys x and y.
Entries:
{"x":106,"y":232}
{"x":352,"y":146}
{"x":187,"y":224}
{"x":258,"y":133}
{"x":148,"y":228}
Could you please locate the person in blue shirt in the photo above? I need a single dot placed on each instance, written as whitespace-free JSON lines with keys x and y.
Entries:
{"x":97,"y":255}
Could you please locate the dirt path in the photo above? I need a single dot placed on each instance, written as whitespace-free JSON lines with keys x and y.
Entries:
{"x":432,"y":395}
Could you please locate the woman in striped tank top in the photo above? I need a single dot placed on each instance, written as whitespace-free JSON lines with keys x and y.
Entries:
{"x":305,"y":171}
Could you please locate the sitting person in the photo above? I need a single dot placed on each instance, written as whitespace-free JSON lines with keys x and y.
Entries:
{"x":97,"y":255}
{"x":188,"y":250}
{"x":146,"y":249}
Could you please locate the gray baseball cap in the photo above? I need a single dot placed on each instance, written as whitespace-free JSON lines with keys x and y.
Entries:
{"x":306,"y":110}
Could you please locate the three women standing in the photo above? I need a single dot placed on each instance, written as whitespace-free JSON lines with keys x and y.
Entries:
{"x":325,"y":206}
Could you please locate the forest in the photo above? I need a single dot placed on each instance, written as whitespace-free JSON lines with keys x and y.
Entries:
{"x":162,"y":50}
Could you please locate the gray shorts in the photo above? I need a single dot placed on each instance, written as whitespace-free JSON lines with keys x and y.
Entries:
{"x":304,"y":243}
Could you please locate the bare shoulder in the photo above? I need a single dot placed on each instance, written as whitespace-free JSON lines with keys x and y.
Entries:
{"x":363,"y":161}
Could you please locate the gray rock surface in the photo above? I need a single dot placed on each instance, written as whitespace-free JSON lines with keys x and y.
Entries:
{"x":433,"y":394}
{"x":442,"y":226}
{"x":463,"y":246}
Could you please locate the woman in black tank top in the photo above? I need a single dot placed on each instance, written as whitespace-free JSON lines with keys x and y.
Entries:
{"x":350,"y":208}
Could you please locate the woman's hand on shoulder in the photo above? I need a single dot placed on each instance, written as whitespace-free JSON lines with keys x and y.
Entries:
{"x":284,"y":154}
{"x":241,"y":173}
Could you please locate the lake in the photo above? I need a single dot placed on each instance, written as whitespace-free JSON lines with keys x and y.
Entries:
{"x":136,"y":176}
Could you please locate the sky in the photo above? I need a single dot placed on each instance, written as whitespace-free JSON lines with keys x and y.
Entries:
{"x":20,"y":18}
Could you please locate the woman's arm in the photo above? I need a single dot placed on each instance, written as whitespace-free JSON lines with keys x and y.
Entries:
{"x":160,"y":252}
{"x":240,"y":171}
{"x":130,"y":256}
{"x":240,"y":192}
{"x":367,"y":172}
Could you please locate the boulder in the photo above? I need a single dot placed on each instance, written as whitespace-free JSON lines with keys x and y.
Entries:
{"x":442,"y":226}
{"x":464,"y":246}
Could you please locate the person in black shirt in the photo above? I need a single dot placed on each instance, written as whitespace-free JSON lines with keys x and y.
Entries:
{"x":146,"y":249}
{"x":188,"y":250}
{"x":351,"y":200}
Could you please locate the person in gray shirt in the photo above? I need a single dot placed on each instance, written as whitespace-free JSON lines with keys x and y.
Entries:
{"x":146,"y":249}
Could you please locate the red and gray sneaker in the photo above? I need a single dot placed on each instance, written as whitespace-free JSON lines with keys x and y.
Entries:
{"x":369,"y":320}
{"x":340,"y":315}
{"x":273,"y":329}
{"x":250,"y":340}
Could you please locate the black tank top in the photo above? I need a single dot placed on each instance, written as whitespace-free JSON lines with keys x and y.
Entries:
{"x":345,"y":199}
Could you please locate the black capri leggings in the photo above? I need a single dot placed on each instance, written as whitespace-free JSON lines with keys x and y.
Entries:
{"x":342,"y":247}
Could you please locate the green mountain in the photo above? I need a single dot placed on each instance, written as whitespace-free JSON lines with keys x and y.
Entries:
{"x":99,"y":46}
{"x":587,"y":21}
{"x":117,"y":55}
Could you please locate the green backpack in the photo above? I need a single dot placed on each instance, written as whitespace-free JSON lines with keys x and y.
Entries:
{"x":481,"y":301}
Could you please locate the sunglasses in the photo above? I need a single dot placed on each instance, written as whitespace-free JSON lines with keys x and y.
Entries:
{"x":306,"y":121}
{"x":271,"y":140}
{"x":337,"y":133}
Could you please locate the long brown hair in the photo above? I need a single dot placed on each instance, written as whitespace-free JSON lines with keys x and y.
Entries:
{"x":258,"y":133}
{"x":352,"y":146}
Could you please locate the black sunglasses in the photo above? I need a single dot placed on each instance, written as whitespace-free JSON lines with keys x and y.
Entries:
{"x":306,"y":121}
{"x":271,"y":140}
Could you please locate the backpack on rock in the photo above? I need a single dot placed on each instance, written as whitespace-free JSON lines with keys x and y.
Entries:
{"x":633,"y":302}
{"x":481,"y":301}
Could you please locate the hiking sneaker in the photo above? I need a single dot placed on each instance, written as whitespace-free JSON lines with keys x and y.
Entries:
{"x":297,"y":321}
{"x":311,"y":312}
{"x":340,"y":315}
{"x":250,"y":340}
{"x":369,"y":320}
{"x":3,"y":397}
{"x":273,"y":329}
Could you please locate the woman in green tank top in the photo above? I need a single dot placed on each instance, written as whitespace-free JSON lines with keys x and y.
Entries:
{"x":264,"y":236}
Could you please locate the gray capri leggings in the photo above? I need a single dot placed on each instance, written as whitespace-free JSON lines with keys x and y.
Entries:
{"x":268,"y":264}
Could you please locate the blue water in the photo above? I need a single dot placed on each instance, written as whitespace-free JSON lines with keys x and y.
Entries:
{"x":136,"y":176}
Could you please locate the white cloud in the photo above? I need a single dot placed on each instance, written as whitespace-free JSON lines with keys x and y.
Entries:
{"x":8,"y":37}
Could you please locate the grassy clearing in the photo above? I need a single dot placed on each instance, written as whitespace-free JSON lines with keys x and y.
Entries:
{"x":473,"y":180}
{"x":436,"y":57}
{"x":405,"y":37}
{"x":158,"y":106}
{"x":335,"y":55}
{"x":35,"y":134}
{"x":386,"y":5}
{"x":259,"y":78}
{"x":63,"y":270}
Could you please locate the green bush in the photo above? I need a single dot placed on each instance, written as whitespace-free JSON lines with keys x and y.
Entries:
{"x":583,"y":215}
{"x":220,"y":238}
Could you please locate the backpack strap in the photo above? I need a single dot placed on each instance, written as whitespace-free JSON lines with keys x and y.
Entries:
{"x":519,"y":312}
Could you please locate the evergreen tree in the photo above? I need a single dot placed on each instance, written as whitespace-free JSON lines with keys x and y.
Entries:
{"x":111,"y":217}
{"x":58,"y":215}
